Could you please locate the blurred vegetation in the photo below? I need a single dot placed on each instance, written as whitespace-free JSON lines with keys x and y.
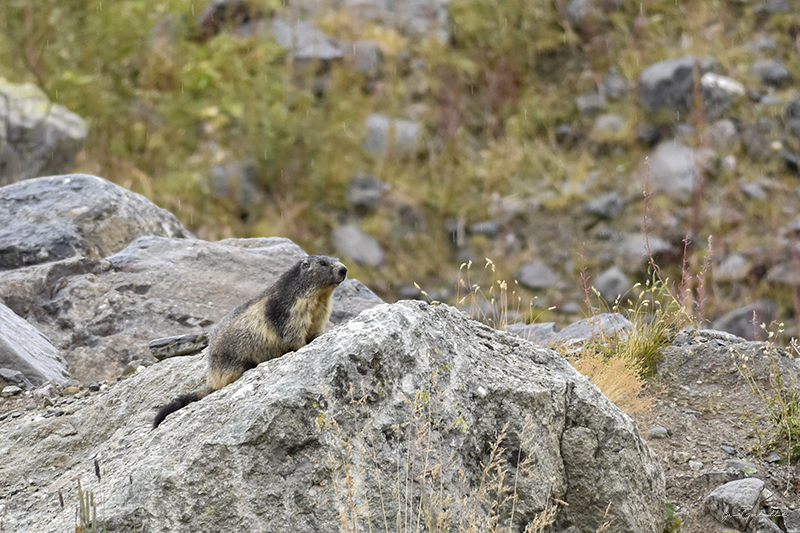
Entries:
{"x":779,"y":395}
{"x":163,"y":105}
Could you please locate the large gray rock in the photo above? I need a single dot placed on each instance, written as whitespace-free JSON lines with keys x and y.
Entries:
{"x":52,"y":218}
{"x":350,"y":241}
{"x":772,"y":72}
{"x":364,"y":193}
{"x":791,"y":519}
{"x":365,"y":57}
{"x":722,"y":136}
{"x":325,"y":434}
{"x":718,"y":93}
{"x":633,"y":250}
{"x":582,"y":14}
{"x":537,"y":276}
{"x":540,"y":333}
{"x":712,"y":361}
{"x":350,"y":298}
{"x":236,"y":181}
{"x":37,"y":137}
{"x":736,"y":503}
{"x":103,"y":312}
{"x":791,"y":115}
{"x":612,"y":284}
{"x":614,"y":85}
{"x":304,"y":41}
{"x":384,"y":135}
{"x":673,"y":169}
{"x":220,"y":13}
{"x":739,"y":322}
{"x":670,"y":84}
{"x":609,"y":325}
{"x":25,"y":350}
{"x":734,"y":268}
{"x":756,"y":144}
{"x":606,"y":206}
{"x":771,"y":7}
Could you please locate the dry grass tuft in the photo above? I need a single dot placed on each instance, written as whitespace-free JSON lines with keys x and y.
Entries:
{"x":620,"y":381}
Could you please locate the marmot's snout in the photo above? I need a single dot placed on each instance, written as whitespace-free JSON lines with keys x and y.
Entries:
{"x":339,"y":272}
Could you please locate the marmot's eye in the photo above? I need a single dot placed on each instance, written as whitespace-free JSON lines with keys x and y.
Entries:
{"x":323,"y":263}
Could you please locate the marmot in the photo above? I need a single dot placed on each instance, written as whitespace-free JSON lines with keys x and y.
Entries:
{"x":285,"y":317}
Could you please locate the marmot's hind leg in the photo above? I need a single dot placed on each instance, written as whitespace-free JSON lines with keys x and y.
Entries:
{"x":219,"y":377}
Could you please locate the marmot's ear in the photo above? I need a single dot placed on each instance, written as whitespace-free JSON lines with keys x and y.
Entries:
{"x":306,"y":263}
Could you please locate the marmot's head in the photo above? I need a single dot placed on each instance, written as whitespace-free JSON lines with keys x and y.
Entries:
{"x":324,"y":271}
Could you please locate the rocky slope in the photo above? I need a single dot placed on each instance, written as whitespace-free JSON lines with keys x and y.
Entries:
{"x":715,"y":396}
{"x":373,"y":408}
{"x":462,"y":130}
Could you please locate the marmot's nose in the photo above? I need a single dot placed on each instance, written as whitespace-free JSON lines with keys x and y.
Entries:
{"x":342,"y":271}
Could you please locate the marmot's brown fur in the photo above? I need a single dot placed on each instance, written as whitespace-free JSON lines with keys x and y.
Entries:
{"x":285,"y":317}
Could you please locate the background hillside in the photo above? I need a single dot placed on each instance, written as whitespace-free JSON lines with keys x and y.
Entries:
{"x":413,"y":139}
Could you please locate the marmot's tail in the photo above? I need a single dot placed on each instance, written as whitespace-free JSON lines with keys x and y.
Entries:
{"x":179,"y":403}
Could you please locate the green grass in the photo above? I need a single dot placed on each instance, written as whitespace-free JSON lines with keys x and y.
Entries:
{"x":163,"y":106}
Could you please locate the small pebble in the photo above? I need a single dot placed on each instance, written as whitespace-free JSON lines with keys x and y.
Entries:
{"x":94,"y":386}
{"x":773,"y":457}
{"x":72,"y":389}
{"x":728,"y":449}
{"x":45,"y":391}
{"x":696,"y":465}
{"x":681,"y":457}
{"x":11,"y":390}
{"x":658,"y":432}
{"x":736,"y":464}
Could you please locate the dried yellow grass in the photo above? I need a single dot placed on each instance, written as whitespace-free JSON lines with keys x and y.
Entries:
{"x":620,"y":381}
